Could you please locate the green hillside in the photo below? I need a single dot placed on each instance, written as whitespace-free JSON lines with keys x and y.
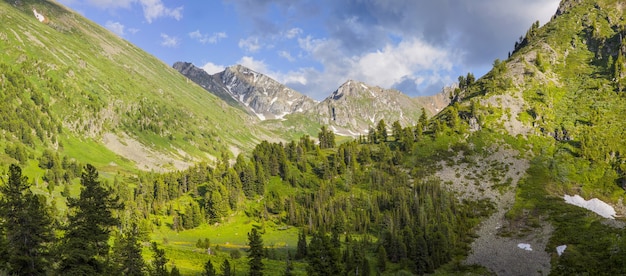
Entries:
{"x":69,"y":82}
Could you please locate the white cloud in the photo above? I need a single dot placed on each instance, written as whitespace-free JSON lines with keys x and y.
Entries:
{"x":110,"y":4}
{"x":115,"y":27}
{"x":250,"y":44}
{"x":256,"y":65}
{"x":414,"y":60}
{"x":169,"y":41}
{"x":153,"y":9}
{"x":206,"y":38}
{"x":389,"y":66}
{"x":292,"y":77}
{"x":286,"y":55}
{"x":212,"y":68}
{"x":291,"y":33}
{"x":133,"y":30}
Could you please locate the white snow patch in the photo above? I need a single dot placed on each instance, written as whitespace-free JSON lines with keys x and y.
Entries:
{"x":560,"y":249}
{"x":300,"y":110}
{"x":595,"y":205}
{"x":261,"y":116}
{"x":39,"y":16}
{"x":281,"y":116}
{"x":363,"y":85}
{"x":273,"y":100}
{"x":290,"y":103}
{"x":525,"y":246}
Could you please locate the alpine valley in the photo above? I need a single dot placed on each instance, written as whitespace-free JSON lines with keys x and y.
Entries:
{"x":114,"y":163}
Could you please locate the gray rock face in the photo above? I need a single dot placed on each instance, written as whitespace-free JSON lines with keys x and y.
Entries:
{"x":209,"y":82}
{"x":350,"y":110}
{"x":355,"y":107}
{"x":267,"y":98}
{"x":259,"y":94}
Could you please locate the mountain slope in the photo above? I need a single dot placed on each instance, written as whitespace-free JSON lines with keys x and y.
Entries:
{"x":355,"y":106}
{"x":557,"y":107}
{"x":261,"y":95}
{"x":99,"y":90}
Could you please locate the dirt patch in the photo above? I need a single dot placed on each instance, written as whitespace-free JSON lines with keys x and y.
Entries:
{"x":495,"y":177}
{"x":512,"y":107}
{"x":144,"y":157}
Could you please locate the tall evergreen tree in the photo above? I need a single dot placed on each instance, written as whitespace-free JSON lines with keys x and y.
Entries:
{"x":381,"y":131}
{"x":127,"y":254}
{"x":255,"y":253}
{"x":27,"y":225}
{"x":85,"y":245}
{"x":301,"y":249}
{"x":226,"y":269}
{"x":288,"y":266}
{"x":159,"y":261}
{"x":209,"y":270}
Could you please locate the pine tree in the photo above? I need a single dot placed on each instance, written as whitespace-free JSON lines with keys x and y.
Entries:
{"x":209,"y":270}
{"x":288,"y":266}
{"x":381,"y":131}
{"x":301,"y":250}
{"x":382,"y":259}
{"x":175,"y":271}
{"x":255,"y":253}
{"x":128,"y":254}
{"x":159,"y":261}
{"x":85,"y":245}
{"x":423,"y":120}
{"x":27,"y":225}
{"x":226,"y":269}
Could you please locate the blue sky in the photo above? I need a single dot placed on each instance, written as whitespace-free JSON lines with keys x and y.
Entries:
{"x":416,"y":46}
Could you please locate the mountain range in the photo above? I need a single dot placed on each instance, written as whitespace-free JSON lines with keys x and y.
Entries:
{"x":350,"y":110}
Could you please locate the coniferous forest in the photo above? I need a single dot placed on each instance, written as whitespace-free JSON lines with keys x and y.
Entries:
{"x":360,"y":207}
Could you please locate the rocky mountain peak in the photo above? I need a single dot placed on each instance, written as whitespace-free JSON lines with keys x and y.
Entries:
{"x":257,"y":93}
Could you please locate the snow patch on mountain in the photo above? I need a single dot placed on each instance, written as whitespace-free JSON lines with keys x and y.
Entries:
{"x":595,"y":205}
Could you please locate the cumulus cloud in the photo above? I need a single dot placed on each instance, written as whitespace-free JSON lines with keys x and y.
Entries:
{"x":153,"y":9}
{"x":115,"y":27}
{"x":110,"y":4}
{"x":169,"y":41}
{"x":293,"y":32}
{"x":206,"y":38}
{"x":292,"y":77}
{"x":286,"y":55}
{"x":408,"y":44}
{"x":250,"y":44}
{"x":212,"y":68}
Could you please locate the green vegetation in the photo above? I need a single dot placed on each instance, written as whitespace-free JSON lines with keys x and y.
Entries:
{"x":369,"y":205}
{"x":67,"y":82}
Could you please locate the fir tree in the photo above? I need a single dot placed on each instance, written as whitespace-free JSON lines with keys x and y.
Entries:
{"x":128,"y":254}
{"x":174,"y":271}
{"x":85,"y":245}
{"x":209,"y":270}
{"x":382,"y":259}
{"x":255,"y":253}
{"x":27,"y":225}
{"x":159,"y":261}
{"x":226,"y":269}
{"x":288,"y":266}
{"x":301,"y":250}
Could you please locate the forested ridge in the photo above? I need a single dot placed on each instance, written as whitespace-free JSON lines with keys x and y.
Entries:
{"x":364,"y":191}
